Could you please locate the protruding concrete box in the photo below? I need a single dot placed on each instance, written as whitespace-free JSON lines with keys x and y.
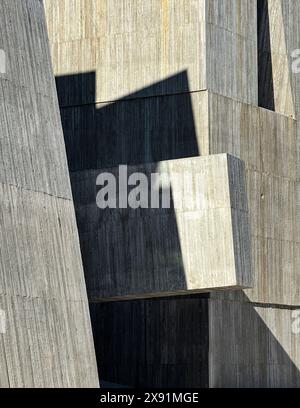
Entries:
{"x":199,"y":242}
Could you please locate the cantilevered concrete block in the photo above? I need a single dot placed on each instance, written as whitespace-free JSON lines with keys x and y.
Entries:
{"x":197,"y":243}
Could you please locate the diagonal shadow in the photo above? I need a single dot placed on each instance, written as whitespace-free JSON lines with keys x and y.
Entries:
{"x":165,"y":343}
{"x":266,"y":98}
{"x":132,"y":130}
{"x":257,"y":344}
{"x":155,"y":342}
{"x":128,"y":131}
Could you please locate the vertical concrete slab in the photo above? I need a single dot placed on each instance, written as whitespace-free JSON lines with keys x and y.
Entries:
{"x":47,"y":340}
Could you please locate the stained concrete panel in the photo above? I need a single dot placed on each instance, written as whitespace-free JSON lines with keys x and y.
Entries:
{"x":133,"y":44}
{"x":278,"y":37}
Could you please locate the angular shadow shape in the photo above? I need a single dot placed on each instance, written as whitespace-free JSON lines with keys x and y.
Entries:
{"x":132,"y":130}
{"x":190,"y":341}
{"x":266,"y":98}
{"x":135,"y":129}
{"x":156,"y":342}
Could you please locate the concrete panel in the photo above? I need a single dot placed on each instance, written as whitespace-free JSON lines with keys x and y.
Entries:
{"x":47,"y":343}
{"x":261,"y":348}
{"x":133,"y":44}
{"x":47,"y":339}
{"x":30,"y":135}
{"x":39,"y":246}
{"x":231,"y":64}
{"x":129,"y":44}
{"x":266,"y":141}
{"x":29,"y":115}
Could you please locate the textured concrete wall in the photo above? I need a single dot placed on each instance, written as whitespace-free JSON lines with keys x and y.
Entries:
{"x":231,"y":48}
{"x":278,"y":37}
{"x":266,"y":141}
{"x":252,"y":345}
{"x":133,"y":44}
{"x":48,"y":339}
{"x":261,"y":347}
{"x":249,"y":343}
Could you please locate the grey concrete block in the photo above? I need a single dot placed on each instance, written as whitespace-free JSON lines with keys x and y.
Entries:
{"x":47,"y":341}
{"x":201,"y":242}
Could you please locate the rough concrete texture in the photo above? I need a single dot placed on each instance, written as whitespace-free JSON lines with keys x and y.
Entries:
{"x":200,"y":242}
{"x":173,"y":114}
{"x":47,"y":341}
{"x":133,"y":44}
{"x":271,"y":357}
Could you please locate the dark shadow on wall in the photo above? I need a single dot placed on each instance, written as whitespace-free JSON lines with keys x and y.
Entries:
{"x":244,"y":351}
{"x":133,"y":130}
{"x":266,"y":97}
{"x":165,"y":342}
{"x":125,"y":248}
{"x":143,"y":127}
{"x":155,"y":342}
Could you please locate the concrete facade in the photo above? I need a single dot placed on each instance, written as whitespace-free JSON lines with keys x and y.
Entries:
{"x":47,"y":340}
{"x":149,"y":81}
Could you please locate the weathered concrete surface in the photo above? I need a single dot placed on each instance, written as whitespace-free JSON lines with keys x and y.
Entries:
{"x":267,"y":142}
{"x":48,"y":339}
{"x":271,"y":357}
{"x":252,"y":345}
{"x":279,"y":26}
{"x":257,"y":335}
{"x":200,"y":242}
{"x":133,"y":44}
